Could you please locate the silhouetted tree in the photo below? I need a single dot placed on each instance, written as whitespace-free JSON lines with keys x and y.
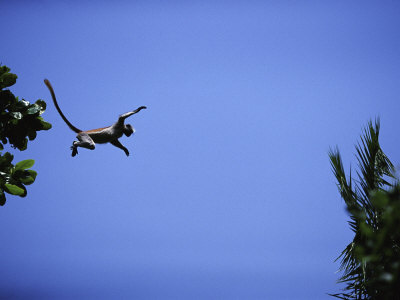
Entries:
{"x":371,"y":262}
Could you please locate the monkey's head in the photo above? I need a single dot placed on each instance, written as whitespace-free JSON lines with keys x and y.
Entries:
{"x":128,"y":129}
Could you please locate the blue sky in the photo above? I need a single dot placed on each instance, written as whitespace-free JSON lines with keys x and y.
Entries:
{"x":228,"y":192}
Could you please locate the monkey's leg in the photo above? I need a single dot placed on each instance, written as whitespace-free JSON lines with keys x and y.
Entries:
{"x":85,"y":141}
{"x":74,"y":149}
{"x":118,"y":144}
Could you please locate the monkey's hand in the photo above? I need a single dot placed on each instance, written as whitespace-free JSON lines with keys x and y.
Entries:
{"x":128,"y":114}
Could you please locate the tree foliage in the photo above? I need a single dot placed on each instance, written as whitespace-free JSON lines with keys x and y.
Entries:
{"x":371,"y":261}
{"x":19,"y":123}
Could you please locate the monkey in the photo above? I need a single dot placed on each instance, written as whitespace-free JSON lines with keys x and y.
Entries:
{"x":88,"y":138}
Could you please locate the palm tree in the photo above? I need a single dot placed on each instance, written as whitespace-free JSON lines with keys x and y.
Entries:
{"x":373,"y":175}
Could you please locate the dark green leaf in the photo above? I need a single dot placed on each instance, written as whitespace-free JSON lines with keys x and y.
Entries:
{"x":6,"y":158}
{"x":45,"y":125}
{"x":42,"y":105}
{"x":33,"y":109}
{"x":14,"y":190}
{"x":4,"y":69}
{"x":32,"y":135}
{"x":7,"y":79}
{"x":30,"y":178}
{"x":24,"y":164}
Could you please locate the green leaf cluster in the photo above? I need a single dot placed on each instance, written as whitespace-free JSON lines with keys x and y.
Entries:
{"x":379,"y":249}
{"x":19,"y":122}
{"x":371,"y":261}
{"x":19,"y":119}
{"x":13,"y":178}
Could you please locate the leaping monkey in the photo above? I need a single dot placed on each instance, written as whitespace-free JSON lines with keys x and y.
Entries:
{"x":89,"y":138}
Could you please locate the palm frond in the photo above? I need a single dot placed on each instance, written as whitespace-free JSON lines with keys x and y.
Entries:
{"x":344,"y":185}
{"x":372,"y":162}
{"x":374,"y":172}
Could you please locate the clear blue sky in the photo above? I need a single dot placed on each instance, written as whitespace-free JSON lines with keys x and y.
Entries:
{"x":228,"y":192}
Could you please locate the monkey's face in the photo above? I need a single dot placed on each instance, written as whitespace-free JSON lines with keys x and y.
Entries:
{"x":129,"y":130}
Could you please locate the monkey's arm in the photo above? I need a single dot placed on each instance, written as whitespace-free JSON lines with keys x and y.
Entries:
{"x":128,"y":114}
{"x":117,"y":144}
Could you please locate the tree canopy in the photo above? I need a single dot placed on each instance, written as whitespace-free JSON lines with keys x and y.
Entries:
{"x":371,"y":261}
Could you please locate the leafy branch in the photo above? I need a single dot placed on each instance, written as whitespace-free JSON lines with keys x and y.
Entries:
{"x":19,"y":123}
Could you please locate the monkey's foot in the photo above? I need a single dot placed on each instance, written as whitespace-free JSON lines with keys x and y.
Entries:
{"x":74,"y":150}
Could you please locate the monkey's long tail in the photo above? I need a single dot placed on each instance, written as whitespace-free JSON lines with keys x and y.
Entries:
{"x":53,"y":95}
